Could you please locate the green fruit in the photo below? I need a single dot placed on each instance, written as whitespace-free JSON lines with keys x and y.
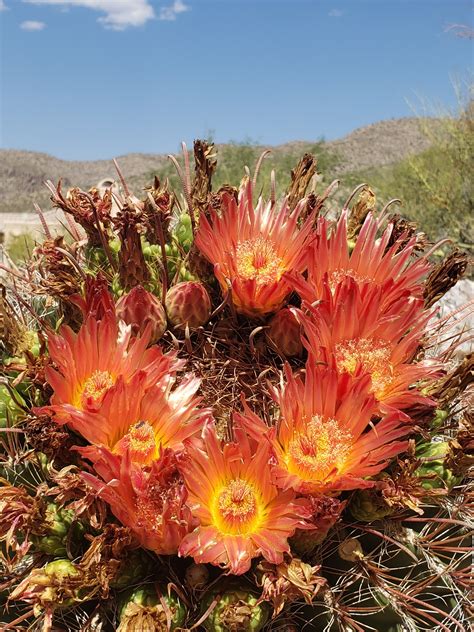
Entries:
{"x":142,"y":609}
{"x":367,"y":505}
{"x":135,"y":566}
{"x":9,"y":410}
{"x":433,"y":470}
{"x":236,"y":610}
{"x":59,"y":522}
{"x":114,"y":245}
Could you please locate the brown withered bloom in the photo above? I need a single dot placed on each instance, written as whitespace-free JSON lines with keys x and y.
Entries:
{"x":86,"y":208}
{"x":59,"y":277}
{"x":130,"y":224}
{"x":46,"y":436}
{"x":14,"y":335}
{"x":104,"y":558}
{"x":69,"y":488}
{"x":452,"y":386}
{"x":324,"y":513}
{"x":401,"y":227}
{"x":289,"y":581}
{"x":18,"y":513}
{"x":460,"y":459}
{"x":445,"y":276}
{"x":404,"y":489}
{"x":364,"y":205}
{"x":300,"y":178}
{"x":204,"y":166}
{"x":158,"y":215}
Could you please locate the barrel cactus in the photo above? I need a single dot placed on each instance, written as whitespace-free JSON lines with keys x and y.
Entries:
{"x":235,"y":416}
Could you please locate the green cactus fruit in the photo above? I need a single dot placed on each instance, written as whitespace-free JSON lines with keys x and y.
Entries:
{"x":284,"y":333}
{"x":9,"y":410}
{"x":433,"y":470}
{"x":134,"y":567}
{"x":146,"y":608}
{"x":58,"y":581}
{"x":439,"y":418}
{"x":58,"y":522}
{"x":237,"y":610}
{"x":183,"y":231}
{"x":114,"y":245}
{"x":188,"y":303}
{"x":368,"y":505}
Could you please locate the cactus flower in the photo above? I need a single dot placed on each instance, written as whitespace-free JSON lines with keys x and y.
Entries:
{"x":150,"y":500}
{"x":372,"y":261}
{"x":241,"y":513}
{"x":324,"y":440}
{"x":251,"y":249}
{"x":90,"y":363}
{"x":350,"y":331}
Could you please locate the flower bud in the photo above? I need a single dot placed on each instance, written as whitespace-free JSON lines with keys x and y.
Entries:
{"x":188,"y":303}
{"x":138,"y":308}
{"x":284,"y":333}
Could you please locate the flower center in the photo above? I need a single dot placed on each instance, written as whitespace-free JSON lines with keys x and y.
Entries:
{"x":257,"y":260}
{"x":373,"y":355}
{"x":140,"y":441}
{"x":320,"y":449}
{"x":236,"y":507}
{"x":95,"y":388}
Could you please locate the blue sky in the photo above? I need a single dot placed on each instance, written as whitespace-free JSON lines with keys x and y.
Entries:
{"x":87,"y":79}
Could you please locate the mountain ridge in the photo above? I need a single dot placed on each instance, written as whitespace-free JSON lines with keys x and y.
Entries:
{"x":23,"y":172}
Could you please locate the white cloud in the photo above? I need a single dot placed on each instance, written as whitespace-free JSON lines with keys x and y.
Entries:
{"x":3,"y":6}
{"x":170,"y":13}
{"x":119,"y":14}
{"x":32,"y":25}
{"x":335,"y":13}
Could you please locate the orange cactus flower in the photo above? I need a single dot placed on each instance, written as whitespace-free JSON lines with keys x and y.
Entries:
{"x":90,"y":362}
{"x":143,"y":420}
{"x":372,"y":261}
{"x":251,"y":249}
{"x":241,"y":513}
{"x":324,"y":441}
{"x":149,"y":500}
{"x":352,"y":331}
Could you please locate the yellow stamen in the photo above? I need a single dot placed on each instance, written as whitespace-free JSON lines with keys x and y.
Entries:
{"x":95,"y":388}
{"x":373,"y":355}
{"x":323,"y":446}
{"x":141,"y":443}
{"x":236,"y":508}
{"x":256,"y":259}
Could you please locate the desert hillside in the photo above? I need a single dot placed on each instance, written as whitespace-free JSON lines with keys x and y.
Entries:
{"x":22,"y":173}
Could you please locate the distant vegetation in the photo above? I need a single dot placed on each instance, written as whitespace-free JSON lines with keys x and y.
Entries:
{"x":436,"y":186}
